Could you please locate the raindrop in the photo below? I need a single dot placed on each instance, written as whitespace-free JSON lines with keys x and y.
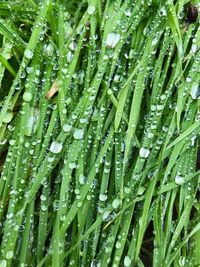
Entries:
{"x":127,"y":13}
{"x":144,"y":152}
{"x":43,"y":197}
{"x":78,"y":133}
{"x":56,"y":147}
{"x":179,"y":180}
{"x":127,"y":261}
{"x":8,"y":117}
{"x":44,"y":208}
{"x":154,"y":41}
{"x":82,"y":179}
{"x":103,"y":197}
{"x":72,"y":165}
{"x":91,"y":9}
{"x":112,"y":39}
{"x":3,"y":263}
{"x":67,"y":127}
{"x":27,"y":96}
{"x":116,"y":203}
{"x":69,"y":56}
{"x":9,"y":254}
{"x":28,"y":53}
{"x":106,"y":215}
{"x":163,"y":11}
{"x":49,"y":49}
{"x":181,"y":261}
{"x":195,"y":92}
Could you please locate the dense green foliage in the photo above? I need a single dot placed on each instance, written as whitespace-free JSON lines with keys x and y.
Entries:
{"x":99,"y":133}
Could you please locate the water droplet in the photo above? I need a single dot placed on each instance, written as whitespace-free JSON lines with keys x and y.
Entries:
{"x":116,"y":203}
{"x":44,"y":208}
{"x":12,"y":142}
{"x":72,"y":165}
{"x":195,"y":91}
{"x":106,"y":215}
{"x":155,"y":41}
{"x":112,"y":39}
{"x":163,"y":11}
{"x":78,"y":133}
{"x":127,"y":261}
{"x":82,"y":179}
{"x":3,"y":263}
{"x":128,"y":13}
{"x":181,"y":261}
{"x":56,"y":147}
{"x":49,"y":49}
{"x":8,"y":117}
{"x":103,"y":197}
{"x":28,"y":53}
{"x":67,"y":127}
{"x":150,"y":135}
{"x":188,"y":79}
{"x":179,"y":180}
{"x":91,"y":9}
{"x":144,"y":152}
{"x":69,"y":56}
{"x":27,"y":96}
{"x":9,"y":254}
{"x":43,"y":197}
{"x":118,"y":245}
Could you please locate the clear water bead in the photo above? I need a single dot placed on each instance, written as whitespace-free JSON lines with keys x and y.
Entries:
{"x":28,"y":53}
{"x":112,"y":39}
{"x":67,"y":127}
{"x":144,"y":152}
{"x":56,"y":147}
{"x":3,"y":263}
{"x":195,"y":91}
{"x":127,"y":261}
{"x":78,"y":133}
{"x":179,"y":180}
{"x":8,"y":117}
{"x":91,"y":9}
{"x":27,"y":96}
{"x":116,"y":203}
{"x":103,"y":197}
{"x":9,"y":254}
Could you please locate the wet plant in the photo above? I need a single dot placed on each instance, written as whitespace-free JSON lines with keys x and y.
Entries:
{"x":99,"y":133}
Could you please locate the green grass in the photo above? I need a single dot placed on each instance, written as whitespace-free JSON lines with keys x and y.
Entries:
{"x":99,"y":133}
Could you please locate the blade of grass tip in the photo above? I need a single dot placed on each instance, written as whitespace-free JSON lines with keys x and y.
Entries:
{"x":172,"y":256}
{"x":184,"y":217}
{"x":43,"y":222}
{"x":196,"y":238}
{"x":123,"y":96}
{"x":144,"y":217}
{"x":183,"y":135}
{"x":61,"y":96}
{"x":137,"y":98}
{"x":84,"y":190}
{"x":171,"y":185}
{"x":26,"y":234}
{"x":7,"y":65}
{"x":174,"y":25}
{"x":28,"y":54}
{"x":11,"y":35}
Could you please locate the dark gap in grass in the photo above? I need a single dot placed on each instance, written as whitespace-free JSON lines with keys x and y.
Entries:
{"x":175,"y":209}
{"x":198,"y":194}
{"x":147,"y":246}
{"x":198,"y":159}
{"x":6,"y":84}
{"x":193,"y":213}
